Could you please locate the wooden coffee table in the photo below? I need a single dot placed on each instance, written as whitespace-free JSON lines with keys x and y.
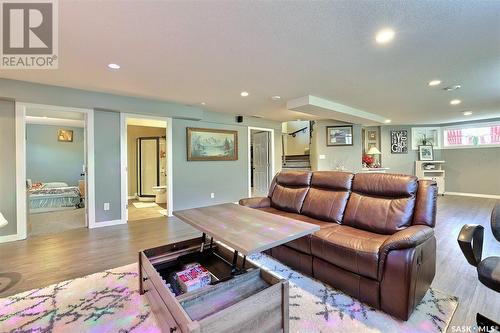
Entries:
{"x":245,"y":299}
{"x":244,"y":229}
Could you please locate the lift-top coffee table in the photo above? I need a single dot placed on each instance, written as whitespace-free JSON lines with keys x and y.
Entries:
{"x":242,"y":297}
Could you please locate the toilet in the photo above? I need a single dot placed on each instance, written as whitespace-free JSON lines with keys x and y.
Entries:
{"x":160,"y":193}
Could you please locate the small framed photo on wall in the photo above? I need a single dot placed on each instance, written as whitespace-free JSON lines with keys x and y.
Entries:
{"x":64,"y":135}
{"x":425,"y":153}
{"x":339,"y":135}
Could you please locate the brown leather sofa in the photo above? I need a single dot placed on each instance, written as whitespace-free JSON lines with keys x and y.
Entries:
{"x":376,"y":240}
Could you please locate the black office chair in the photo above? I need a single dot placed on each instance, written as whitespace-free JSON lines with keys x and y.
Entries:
{"x":470,"y":240}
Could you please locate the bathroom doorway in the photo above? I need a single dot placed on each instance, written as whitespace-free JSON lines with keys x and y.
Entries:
{"x":146,"y":167}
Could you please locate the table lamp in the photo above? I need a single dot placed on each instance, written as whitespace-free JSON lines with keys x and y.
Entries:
{"x":3,"y":221}
{"x":373,"y":151}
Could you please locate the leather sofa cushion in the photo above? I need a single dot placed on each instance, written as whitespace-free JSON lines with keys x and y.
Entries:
{"x":385,"y":185}
{"x":302,"y":244}
{"x":327,"y":197}
{"x":290,"y":190}
{"x":381,"y":203}
{"x":349,"y":248}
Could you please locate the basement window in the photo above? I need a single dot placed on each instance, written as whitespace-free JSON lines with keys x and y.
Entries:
{"x":472,"y":135}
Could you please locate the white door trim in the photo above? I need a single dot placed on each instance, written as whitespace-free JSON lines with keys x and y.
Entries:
{"x":271,"y":155}
{"x":21,"y":199}
{"x":124,"y":162}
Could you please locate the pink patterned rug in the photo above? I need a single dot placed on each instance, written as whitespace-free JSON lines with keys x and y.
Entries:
{"x":109,"y":302}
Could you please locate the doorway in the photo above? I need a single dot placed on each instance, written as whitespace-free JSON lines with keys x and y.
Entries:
{"x":146,"y":167}
{"x":261,"y":160}
{"x":55,"y":185}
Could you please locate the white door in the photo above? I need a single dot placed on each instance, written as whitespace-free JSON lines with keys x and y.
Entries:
{"x":260,"y":167}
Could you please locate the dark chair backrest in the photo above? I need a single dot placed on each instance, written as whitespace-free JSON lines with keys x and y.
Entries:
{"x":495,"y":221}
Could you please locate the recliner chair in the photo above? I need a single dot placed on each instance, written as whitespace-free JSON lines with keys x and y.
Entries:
{"x":470,"y":241}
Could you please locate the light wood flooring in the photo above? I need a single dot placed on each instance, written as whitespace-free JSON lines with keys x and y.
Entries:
{"x":55,"y":222}
{"x":136,"y":214}
{"x":47,"y":259}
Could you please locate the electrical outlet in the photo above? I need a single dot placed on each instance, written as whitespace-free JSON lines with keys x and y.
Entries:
{"x":212,"y":195}
{"x":106,"y":206}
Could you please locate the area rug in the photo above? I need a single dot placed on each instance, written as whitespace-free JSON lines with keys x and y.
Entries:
{"x":145,"y":204}
{"x":109,"y":301}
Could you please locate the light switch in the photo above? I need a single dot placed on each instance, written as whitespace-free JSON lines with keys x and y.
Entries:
{"x":212,"y":195}
{"x":322,"y":157}
{"x":106,"y":206}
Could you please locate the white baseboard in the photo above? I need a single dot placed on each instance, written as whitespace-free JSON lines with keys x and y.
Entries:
{"x":107,"y":223}
{"x":10,"y":238}
{"x":476,"y":195}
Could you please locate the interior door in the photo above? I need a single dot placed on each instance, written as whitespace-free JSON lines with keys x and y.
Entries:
{"x":260,"y":167}
{"x":148,"y":165}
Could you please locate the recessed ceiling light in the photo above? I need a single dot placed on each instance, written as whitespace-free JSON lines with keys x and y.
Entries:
{"x":244,"y":94}
{"x":276,"y":98}
{"x":434,"y":83}
{"x":384,"y":36}
{"x":203,"y":103}
{"x":114,"y":66}
{"x":467,"y":113}
{"x":387,"y":121}
{"x":455,"y":101}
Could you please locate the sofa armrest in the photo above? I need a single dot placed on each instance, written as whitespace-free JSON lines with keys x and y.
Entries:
{"x":257,"y":202}
{"x":408,"y":238}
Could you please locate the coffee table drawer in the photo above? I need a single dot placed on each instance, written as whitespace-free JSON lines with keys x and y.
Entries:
{"x":252,"y":301}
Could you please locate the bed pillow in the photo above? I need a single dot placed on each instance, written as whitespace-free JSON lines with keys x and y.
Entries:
{"x":36,"y":186}
{"x":55,"y":185}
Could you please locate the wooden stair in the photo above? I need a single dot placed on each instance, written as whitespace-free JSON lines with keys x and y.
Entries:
{"x":296,"y":162}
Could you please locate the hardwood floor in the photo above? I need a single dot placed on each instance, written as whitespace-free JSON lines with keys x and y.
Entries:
{"x":136,"y":214}
{"x":47,"y":259}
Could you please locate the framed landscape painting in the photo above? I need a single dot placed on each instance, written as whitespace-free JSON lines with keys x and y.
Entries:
{"x":339,"y":135}
{"x":206,"y":144}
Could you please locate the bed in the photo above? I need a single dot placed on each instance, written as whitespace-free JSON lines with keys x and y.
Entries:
{"x":50,"y":197}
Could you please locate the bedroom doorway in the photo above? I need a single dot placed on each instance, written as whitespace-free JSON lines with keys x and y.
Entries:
{"x":146,"y":167}
{"x":260,"y":160}
{"x":55,"y":175}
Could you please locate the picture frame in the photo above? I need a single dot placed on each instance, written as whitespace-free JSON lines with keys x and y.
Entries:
{"x":208,"y":144}
{"x":399,"y":142}
{"x":339,"y":136}
{"x":372,"y":135}
{"x":426,"y":153}
{"x":64,"y":135}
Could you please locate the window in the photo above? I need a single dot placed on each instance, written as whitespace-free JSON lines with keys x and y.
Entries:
{"x":472,"y":135}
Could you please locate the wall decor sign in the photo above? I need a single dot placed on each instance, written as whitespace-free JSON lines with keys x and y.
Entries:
{"x":339,"y":135}
{"x":64,"y":135}
{"x":426,"y":153}
{"x":206,"y":144}
{"x":399,"y":142}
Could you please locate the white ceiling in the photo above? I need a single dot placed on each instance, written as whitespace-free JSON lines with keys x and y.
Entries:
{"x":194,"y":51}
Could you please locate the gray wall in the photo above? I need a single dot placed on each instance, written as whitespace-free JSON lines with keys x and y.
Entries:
{"x":348,"y":157}
{"x":49,"y":160}
{"x":473,"y":170}
{"x":195,"y":180}
{"x":107,"y":165}
{"x":228,"y":180}
{"x":400,"y":163}
{"x":8,"y":166}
